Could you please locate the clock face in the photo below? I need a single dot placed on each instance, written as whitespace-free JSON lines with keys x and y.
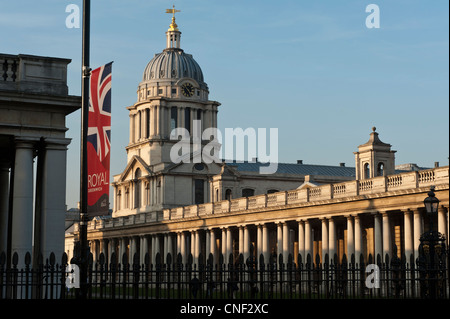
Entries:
{"x":187,"y":89}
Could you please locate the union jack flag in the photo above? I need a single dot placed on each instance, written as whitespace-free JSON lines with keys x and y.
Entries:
{"x":99,"y":130}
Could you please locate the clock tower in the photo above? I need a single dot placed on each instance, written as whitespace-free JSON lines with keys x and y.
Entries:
{"x":172,"y":94}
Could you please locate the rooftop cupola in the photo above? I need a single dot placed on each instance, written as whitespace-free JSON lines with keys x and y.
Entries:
{"x":173,"y":33}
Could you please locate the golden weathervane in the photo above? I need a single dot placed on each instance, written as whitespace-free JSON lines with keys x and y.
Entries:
{"x":173,"y":25}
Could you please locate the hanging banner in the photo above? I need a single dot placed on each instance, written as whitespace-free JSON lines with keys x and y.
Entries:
{"x":99,"y":141}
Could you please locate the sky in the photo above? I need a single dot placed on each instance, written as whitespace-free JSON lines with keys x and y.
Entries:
{"x":311,"y":69}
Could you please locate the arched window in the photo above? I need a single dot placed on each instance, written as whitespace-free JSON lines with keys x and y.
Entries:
{"x":247,"y":192}
{"x":366,"y":171}
{"x":228,"y":194}
{"x":380,"y":169}
{"x":271,"y":191}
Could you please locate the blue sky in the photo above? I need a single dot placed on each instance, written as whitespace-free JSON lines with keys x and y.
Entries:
{"x":312,"y":69}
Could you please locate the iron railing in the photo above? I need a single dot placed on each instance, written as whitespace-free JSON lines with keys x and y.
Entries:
{"x":235,"y":278}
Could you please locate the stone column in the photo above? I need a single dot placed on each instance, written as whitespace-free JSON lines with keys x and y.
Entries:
{"x":223,"y":243}
{"x":143,"y":248}
{"x":418,"y":231}
{"x":4,"y":205}
{"x":279,"y":239}
{"x":358,"y":238}
{"x":386,"y":236}
{"x":331,"y":238}
{"x":408,"y":233}
{"x":259,"y":248}
{"x":308,"y":242}
{"x":265,"y":243}
{"x":301,"y":240}
{"x":246,"y":242}
{"x":112,"y":249}
{"x":22,"y":217}
{"x":229,"y":244}
{"x":378,"y":236}
{"x":350,"y":238}
{"x":442,"y":221}
{"x":285,"y":242}
{"x":212,"y":246}
{"x":169,"y":240}
{"x":324,"y":239}
{"x":241,"y":239}
{"x":52,"y":215}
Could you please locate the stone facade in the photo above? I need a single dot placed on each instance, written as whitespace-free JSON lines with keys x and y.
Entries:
{"x":197,"y":208}
{"x":34,"y":103}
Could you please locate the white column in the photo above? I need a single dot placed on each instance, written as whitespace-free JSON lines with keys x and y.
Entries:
{"x":259,"y":241}
{"x":418,"y":230}
{"x":358,"y":239}
{"x":308,"y":242}
{"x":331,"y":238}
{"x":223,"y":243}
{"x":4,"y":205}
{"x":241,"y":239}
{"x":378,"y":236}
{"x":246,"y":243}
{"x":183,"y":246}
{"x":350,"y":238}
{"x":279,"y":239}
{"x":285,"y":242}
{"x":442,"y":221}
{"x":53,"y":200}
{"x":265,"y":243}
{"x":213,"y":244}
{"x":22,"y":217}
{"x":386,"y":236}
{"x":325,"y":239}
{"x":301,"y":240}
{"x":169,"y":240}
{"x":408,"y":233}
{"x":229,"y":245}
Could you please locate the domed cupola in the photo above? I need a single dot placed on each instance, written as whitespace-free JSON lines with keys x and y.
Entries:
{"x":173,"y":73}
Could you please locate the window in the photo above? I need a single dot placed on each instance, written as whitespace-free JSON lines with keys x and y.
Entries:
{"x":127,"y":197}
{"x":137,"y":189}
{"x":147,"y":127}
{"x":271,"y":191}
{"x":173,"y":118}
{"x":380,"y":169}
{"x":199,"y":191}
{"x":187,"y":119}
{"x":247,"y":192}
{"x":119,"y":198}
{"x":160,"y":91}
{"x":366,"y":171}
{"x":228,"y":194}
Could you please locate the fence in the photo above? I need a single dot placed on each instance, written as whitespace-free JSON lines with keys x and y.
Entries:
{"x":233,"y":279}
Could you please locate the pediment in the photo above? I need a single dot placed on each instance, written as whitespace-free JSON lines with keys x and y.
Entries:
{"x":135,"y":163}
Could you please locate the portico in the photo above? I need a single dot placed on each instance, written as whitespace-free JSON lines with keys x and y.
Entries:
{"x":34,"y":102}
{"x":363,"y":224}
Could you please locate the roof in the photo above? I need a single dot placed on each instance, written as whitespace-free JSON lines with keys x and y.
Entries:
{"x":297,"y":169}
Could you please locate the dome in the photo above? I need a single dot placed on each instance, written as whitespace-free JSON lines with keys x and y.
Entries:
{"x":173,"y":64}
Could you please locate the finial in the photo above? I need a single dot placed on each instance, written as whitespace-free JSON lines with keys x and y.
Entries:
{"x":173,"y":25}
{"x":373,"y":129}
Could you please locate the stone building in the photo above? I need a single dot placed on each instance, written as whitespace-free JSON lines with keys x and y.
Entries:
{"x":220,"y":207}
{"x":34,"y":103}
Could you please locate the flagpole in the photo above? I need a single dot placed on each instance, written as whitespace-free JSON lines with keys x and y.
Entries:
{"x":83,"y":243}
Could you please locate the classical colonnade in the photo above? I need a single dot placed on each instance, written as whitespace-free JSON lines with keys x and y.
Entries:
{"x":366,"y":233}
{"x":32,"y":193}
